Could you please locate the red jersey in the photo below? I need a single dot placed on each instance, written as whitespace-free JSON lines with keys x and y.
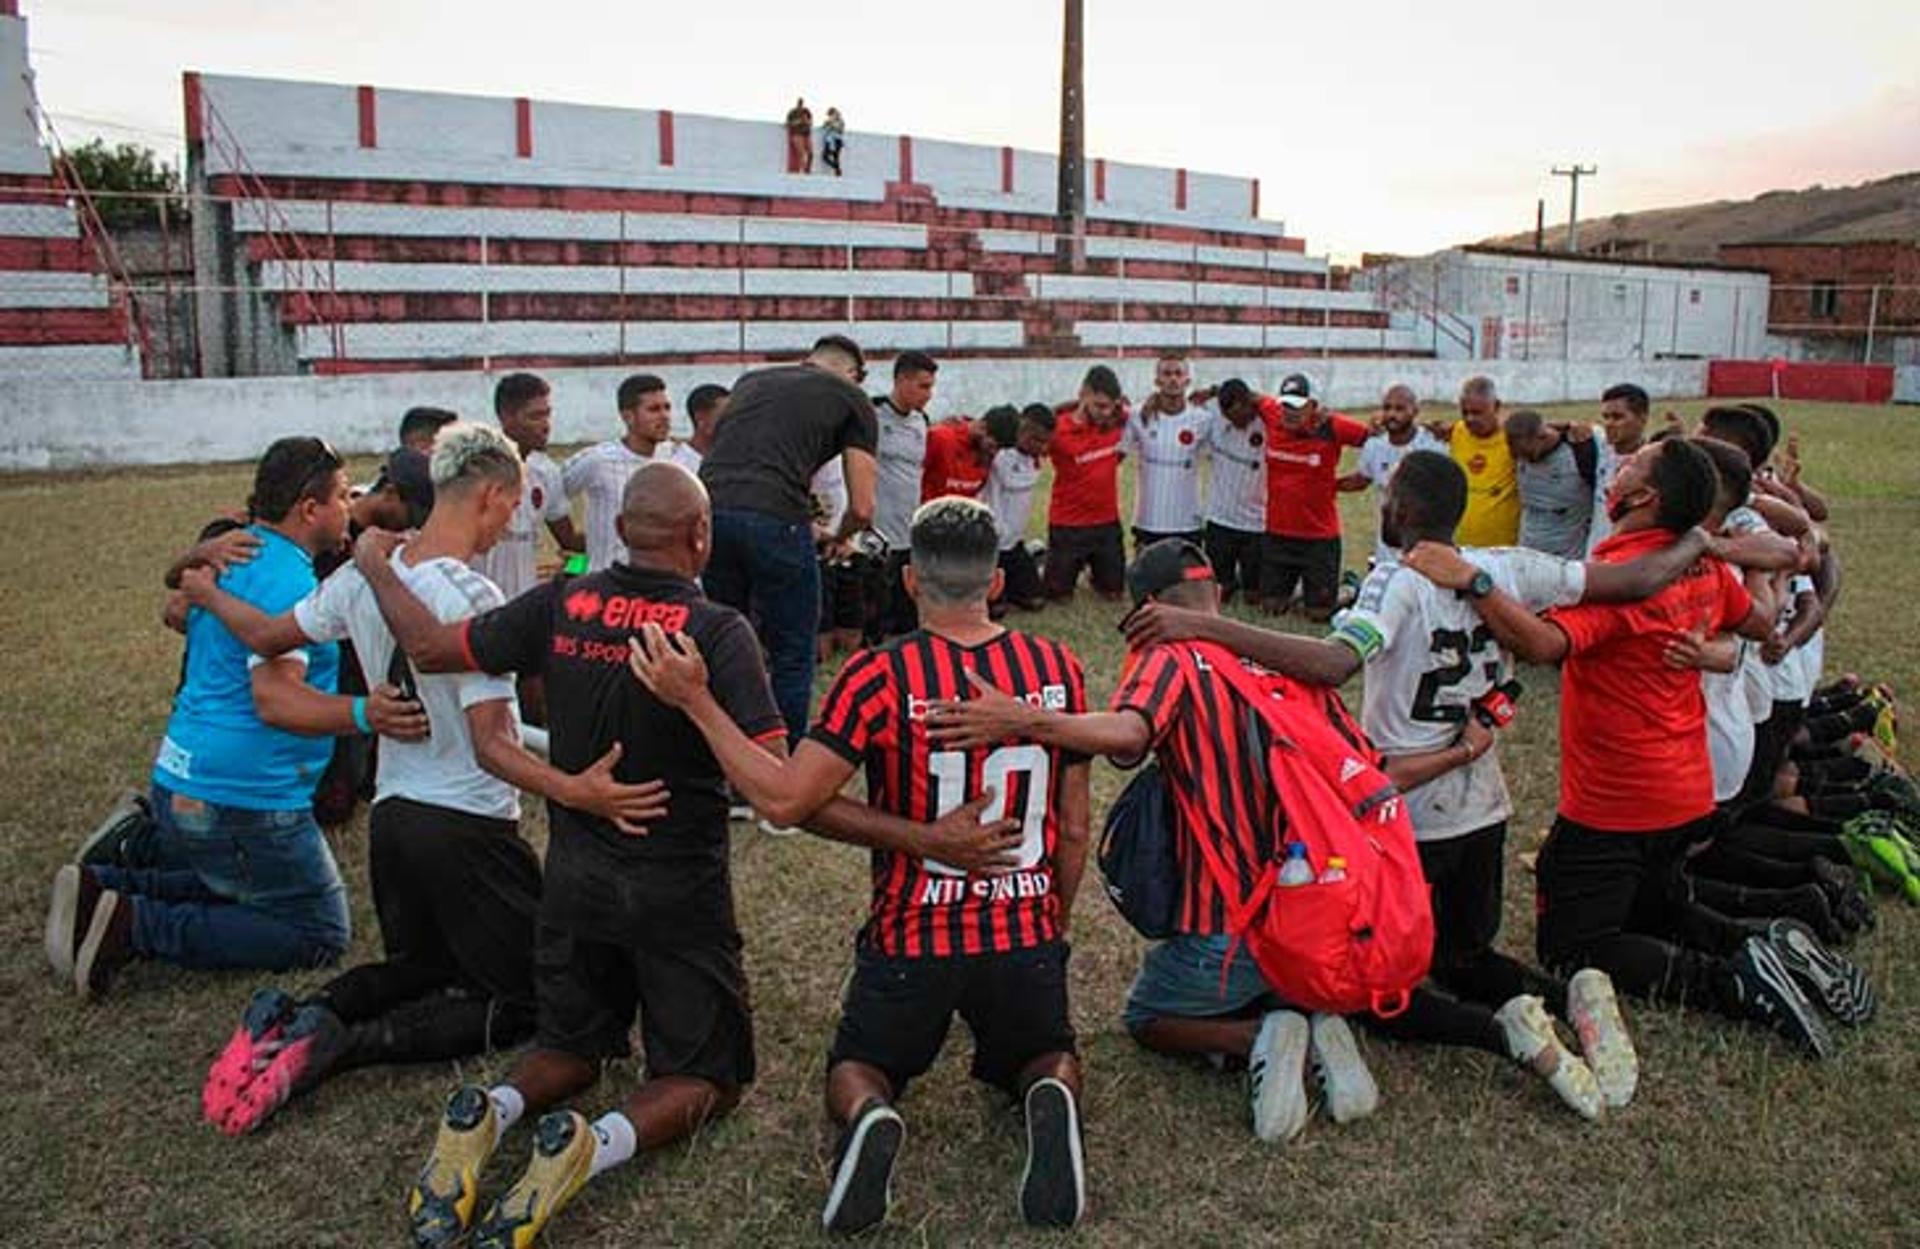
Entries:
{"x":1086,"y":471}
{"x":1633,"y":731}
{"x":1303,"y":470}
{"x":953,"y":464}
{"x":876,"y":714}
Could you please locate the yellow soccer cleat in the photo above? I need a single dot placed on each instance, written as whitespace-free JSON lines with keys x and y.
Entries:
{"x":562,"y":1161}
{"x":441,"y":1203}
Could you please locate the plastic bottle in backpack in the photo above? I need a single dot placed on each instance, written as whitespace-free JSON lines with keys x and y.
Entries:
{"x":1336,"y":870}
{"x":1296,"y":870}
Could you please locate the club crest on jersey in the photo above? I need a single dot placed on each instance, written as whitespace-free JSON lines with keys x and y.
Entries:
{"x":538,"y":498}
{"x":1054,"y":698}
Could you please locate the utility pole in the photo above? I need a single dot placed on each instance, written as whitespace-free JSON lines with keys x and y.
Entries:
{"x":1072,"y":198}
{"x":1573,"y":173}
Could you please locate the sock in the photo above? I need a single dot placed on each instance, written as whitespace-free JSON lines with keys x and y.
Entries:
{"x":614,"y":1141}
{"x":508,"y":1106}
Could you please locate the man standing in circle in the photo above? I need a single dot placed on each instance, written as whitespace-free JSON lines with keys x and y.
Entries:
{"x":523,"y":404}
{"x":1083,"y":516}
{"x":901,"y":416}
{"x":1478,"y":443}
{"x":599,"y":474}
{"x":1167,"y":435}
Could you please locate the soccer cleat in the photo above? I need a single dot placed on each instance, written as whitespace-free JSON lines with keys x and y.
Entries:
{"x":1874,"y":842}
{"x":440,"y":1204}
{"x":107,"y":945}
{"x":263,"y":1020}
{"x":862,"y":1187}
{"x":1848,"y":901}
{"x":562,"y":1161}
{"x":109,"y":843}
{"x":1053,"y":1188}
{"x":1534,"y":1044}
{"x":1830,"y":979}
{"x":1276,"y":1068}
{"x":1767,"y":994}
{"x":299,"y":1058}
{"x":1594,"y":1012}
{"x":1345,"y":1083}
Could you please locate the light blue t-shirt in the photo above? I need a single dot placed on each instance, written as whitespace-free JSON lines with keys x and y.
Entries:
{"x":216,"y":748}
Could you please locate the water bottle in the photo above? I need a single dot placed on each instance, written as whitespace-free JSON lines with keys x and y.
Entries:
{"x":1336,"y":870}
{"x":1296,"y":870}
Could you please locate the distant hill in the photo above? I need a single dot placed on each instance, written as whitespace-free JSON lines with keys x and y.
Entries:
{"x":1886,"y":209}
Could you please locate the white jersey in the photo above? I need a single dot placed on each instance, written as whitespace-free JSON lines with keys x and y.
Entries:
{"x":1166,"y":452}
{"x":1009,"y":492}
{"x":1379,"y":456}
{"x":599,"y":475}
{"x":1429,"y":657}
{"x":1237,"y":487}
{"x":829,"y":491}
{"x":1729,"y":726}
{"x":901,"y":456}
{"x":512,"y":563}
{"x":441,"y":770}
{"x":1600,"y":528}
{"x":1756,"y":678}
{"x":686,"y":457}
{"x":1790,"y":680}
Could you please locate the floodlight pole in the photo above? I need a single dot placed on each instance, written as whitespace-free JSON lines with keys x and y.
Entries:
{"x":1072,"y":197}
{"x":1573,"y":173}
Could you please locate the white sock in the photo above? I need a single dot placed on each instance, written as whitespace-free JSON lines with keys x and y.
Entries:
{"x":508,"y":1106}
{"x":614,"y":1141}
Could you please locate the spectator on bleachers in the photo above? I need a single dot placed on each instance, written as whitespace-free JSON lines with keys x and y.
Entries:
{"x":706,"y":404}
{"x":600,"y":472}
{"x":800,"y":138}
{"x":833,"y":137}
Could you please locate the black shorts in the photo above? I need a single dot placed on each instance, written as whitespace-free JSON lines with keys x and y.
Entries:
{"x":895,"y":614}
{"x":1022,"y":586}
{"x":1235,"y":556}
{"x":1144,"y":538}
{"x":1073,"y":547}
{"x":849,"y":592}
{"x":897,"y":1010}
{"x":1467,"y":876}
{"x":1311,"y":563}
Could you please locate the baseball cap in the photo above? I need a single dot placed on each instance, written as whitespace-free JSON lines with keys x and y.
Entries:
{"x":1296,"y":391}
{"x":1167,"y":563}
{"x":409,"y":473}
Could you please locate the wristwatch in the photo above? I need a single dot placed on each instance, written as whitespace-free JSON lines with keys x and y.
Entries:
{"x":1481,"y":585}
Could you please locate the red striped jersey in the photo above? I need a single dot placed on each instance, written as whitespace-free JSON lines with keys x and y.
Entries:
{"x":1212,"y":749}
{"x":875,"y":715}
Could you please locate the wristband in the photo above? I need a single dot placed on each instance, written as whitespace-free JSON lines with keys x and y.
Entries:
{"x":360,"y":715}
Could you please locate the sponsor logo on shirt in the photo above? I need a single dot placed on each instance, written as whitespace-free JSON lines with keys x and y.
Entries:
{"x":1047,"y":698}
{"x":624,"y":611}
{"x":1311,"y":459}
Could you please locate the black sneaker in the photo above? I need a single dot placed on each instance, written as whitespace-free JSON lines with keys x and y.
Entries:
{"x":863,"y":1170}
{"x":1053,"y":1189}
{"x":1848,"y":901}
{"x":1768,"y":995}
{"x":125,"y":823}
{"x":1832,"y":980}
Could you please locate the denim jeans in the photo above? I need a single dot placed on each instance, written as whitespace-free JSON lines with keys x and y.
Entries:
{"x":765,"y":568}
{"x":230,"y":887}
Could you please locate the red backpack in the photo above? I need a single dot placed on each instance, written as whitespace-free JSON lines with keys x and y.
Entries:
{"x":1358,"y":944}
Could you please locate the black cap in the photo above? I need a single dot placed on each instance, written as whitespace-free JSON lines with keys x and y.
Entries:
{"x":1295,"y":391}
{"x":1167,"y":563}
{"x":410,"y":474}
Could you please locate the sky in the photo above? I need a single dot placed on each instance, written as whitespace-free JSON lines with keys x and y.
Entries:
{"x":1372,"y":126}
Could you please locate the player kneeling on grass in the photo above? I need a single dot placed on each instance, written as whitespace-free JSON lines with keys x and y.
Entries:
{"x":628,"y":924}
{"x":940,"y":940}
{"x":454,"y":887}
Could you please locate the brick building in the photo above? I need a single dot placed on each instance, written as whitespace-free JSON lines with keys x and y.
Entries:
{"x":1854,"y":301}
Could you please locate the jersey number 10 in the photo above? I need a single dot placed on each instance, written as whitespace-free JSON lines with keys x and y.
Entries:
{"x":998,"y":773}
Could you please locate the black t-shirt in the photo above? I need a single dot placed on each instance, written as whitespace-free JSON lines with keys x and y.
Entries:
{"x":575,"y":632}
{"x":781,"y":425}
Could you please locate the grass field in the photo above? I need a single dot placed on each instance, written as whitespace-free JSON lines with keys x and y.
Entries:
{"x":1732,"y":1139}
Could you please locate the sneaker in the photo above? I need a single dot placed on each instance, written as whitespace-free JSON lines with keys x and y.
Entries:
{"x":441,"y":1202}
{"x":739,"y":813}
{"x":777,"y":830}
{"x":1534,"y":1044}
{"x":1346,"y":1085}
{"x":1276,"y":1069}
{"x":287,"y":1065}
{"x":1830,"y":979}
{"x":266,"y":1015}
{"x":70,"y":906}
{"x":562,"y":1161}
{"x":1848,"y":901}
{"x":1053,"y":1188}
{"x":1808,"y":904}
{"x":1768,"y":995}
{"x":863,"y":1160}
{"x":1594,"y":1012}
{"x":107,"y":845}
{"x":107,"y":945}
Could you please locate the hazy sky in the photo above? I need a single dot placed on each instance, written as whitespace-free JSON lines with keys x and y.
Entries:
{"x":1372,"y":126}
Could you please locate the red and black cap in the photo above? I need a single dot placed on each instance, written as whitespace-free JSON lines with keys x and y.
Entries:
{"x":1167,"y":563}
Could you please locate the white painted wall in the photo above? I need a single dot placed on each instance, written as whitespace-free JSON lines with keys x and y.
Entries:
{"x":20,"y":150}
{"x":58,"y":422}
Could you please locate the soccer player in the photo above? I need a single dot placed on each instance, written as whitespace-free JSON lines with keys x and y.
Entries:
{"x":523,"y":404}
{"x":960,"y":455}
{"x":240,"y":874}
{"x":1009,"y":493}
{"x":939,"y":941}
{"x":1636,"y":781}
{"x":1302,"y":546}
{"x":1166,"y":437}
{"x":1624,"y":409}
{"x":1083,"y":513}
{"x":627,"y":924}
{"x":1478,"y":444}
{"x":454,"y":887}
{"x":420,"y":426}
{"x":599,"y":474}
{"x":1400,"y":431}
{"x":1555,"y":476}
{"x":1236,"y":490}
{"x":901,"y":416}
{"x":706,"y":404}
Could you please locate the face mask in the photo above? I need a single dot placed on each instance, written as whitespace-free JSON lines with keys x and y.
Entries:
{"x":1619,"y":505}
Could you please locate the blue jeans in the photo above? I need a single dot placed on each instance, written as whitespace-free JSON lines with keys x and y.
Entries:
{"x":229,"y":887}
{"x":1181,"y":977}
{"x":765,"y":568}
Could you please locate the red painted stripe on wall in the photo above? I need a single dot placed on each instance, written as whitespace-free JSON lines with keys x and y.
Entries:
{"x":1180,"y":189}
{"x":369,"y":127}
{"x":666,"y":136}
{"x":1100,"y":180}
{"x":1255,"y":209}
{"x":190,"y":95}
{"x":906,"y":158}
{"x":1006,"y":171}
{"x":523,"y":127}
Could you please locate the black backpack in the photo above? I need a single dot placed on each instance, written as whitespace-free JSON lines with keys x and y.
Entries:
{"x":1136,"y":855}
